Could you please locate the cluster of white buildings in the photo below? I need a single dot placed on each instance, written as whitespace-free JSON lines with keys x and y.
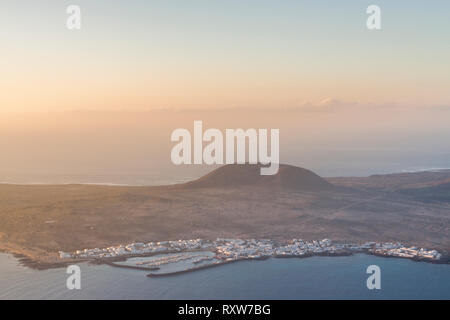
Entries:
{"x":301,"y":248}
{"x":234,"y":249}
{"x":138,"y":248}
{"x":238,"y":248}
{"x":399,"y":250}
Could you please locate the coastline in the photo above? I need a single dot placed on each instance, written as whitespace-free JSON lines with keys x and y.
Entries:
{"x":32,"y":263}
{"x":443,"y":260}
{"x":41,"y":266}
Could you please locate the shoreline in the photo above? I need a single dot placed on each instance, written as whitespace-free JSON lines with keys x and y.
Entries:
{"x":444,"y":260}
{"x":35,"y":264}
{"x":42,"y":266}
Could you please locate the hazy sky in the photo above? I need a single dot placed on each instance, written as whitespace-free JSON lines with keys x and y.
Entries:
{"x":346,"y":100}
{"x":136,"y":54}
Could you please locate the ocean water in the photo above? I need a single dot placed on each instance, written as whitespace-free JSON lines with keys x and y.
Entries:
{"x":311,"y":278}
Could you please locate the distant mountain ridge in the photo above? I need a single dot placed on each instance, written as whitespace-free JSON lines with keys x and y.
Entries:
{"x":288,"y":177}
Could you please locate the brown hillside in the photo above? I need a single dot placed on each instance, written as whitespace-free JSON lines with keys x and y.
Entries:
{"x":288,"y":177}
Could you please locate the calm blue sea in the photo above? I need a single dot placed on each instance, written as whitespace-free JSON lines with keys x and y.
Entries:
{"x":312,"y":278}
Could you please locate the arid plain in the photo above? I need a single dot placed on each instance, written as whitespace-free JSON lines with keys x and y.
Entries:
{"x":233,"y":201}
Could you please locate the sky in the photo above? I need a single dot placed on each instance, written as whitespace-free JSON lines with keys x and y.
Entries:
{"x":104,"y":99}
{"x":141,"y":55}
